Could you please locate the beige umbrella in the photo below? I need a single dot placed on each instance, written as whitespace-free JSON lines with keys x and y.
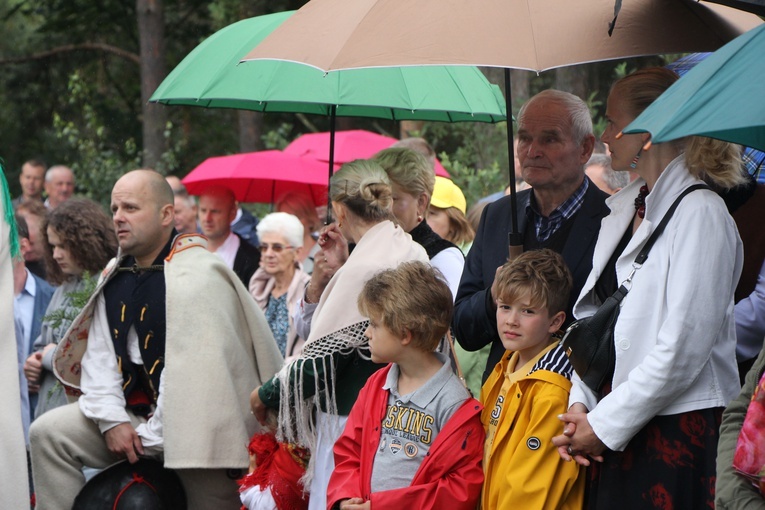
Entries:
{"x":521,"y":34}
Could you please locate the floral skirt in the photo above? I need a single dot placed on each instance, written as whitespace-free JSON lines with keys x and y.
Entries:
{"x":668,"y":465}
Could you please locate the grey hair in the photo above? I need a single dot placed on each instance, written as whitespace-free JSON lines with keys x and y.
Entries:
{"x":184,"y":194}
{"x":54,"y":169}
{"x":283,"y":224}
{"x":579,"y":114}
{"x":614,"y":180}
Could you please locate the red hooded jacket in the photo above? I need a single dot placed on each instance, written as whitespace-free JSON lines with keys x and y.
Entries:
{"x":450,"y":476}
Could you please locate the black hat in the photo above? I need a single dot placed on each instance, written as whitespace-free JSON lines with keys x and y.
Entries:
{"x":145,"y":485}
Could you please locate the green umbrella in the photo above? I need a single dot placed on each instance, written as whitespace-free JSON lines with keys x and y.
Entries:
{"x":721,"y":97}
{"x":211,"y":76}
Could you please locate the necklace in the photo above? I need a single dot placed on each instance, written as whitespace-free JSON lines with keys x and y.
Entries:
{"x":640,"y":200}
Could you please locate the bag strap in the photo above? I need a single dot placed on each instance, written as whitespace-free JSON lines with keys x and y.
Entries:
{"x":643,"y":255}
{"x":454,"y":359}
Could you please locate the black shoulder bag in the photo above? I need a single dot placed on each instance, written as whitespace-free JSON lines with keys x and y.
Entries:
{"x":589,"y":342}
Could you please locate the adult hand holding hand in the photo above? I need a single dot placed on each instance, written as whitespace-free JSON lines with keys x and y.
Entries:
{"x":578,"y":440}
{"x":124,"y":441}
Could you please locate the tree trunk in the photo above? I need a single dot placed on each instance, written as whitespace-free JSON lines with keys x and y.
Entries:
{"x":151,"y":32}
{"x":573,"y":79}
{"x":519,"y":82}
{"x":250,"y":131}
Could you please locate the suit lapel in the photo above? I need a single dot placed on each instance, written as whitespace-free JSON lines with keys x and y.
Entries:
{"x":584,"y":231}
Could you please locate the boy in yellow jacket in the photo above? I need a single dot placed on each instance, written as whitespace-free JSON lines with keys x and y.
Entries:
{"x":528,"y":389}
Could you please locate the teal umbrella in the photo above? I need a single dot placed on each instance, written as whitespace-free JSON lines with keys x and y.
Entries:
{"x":211,"y":76}
{"x":722,"y":97}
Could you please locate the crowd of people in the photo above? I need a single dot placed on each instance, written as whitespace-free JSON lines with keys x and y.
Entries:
{"x":396,"y":357}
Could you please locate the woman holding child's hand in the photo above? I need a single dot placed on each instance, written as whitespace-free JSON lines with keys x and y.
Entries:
{"x":655,"y":425}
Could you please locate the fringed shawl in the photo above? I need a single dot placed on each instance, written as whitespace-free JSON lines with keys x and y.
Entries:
{"x":337,"y":328}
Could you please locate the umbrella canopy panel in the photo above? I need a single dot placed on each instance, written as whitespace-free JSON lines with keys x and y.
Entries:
{"x":755,"y":6}
{"x":522,"y":34}
{"x":721,"y":97}
{"x":754,"y":160}
{"x":212,"y":76}
{"x":261,"y":177}
{"x":349,"y":145}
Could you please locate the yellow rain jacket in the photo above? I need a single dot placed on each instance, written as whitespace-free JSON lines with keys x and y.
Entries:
{"x":522,"y":467}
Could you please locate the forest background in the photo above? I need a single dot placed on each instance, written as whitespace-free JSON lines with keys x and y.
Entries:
{"x":77,"y":74}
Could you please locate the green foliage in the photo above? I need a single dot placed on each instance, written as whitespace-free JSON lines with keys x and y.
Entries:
{"x":103,"y":156}
{"x":475,"y":183}
{"x":279,"y":137}
{"x":474,"y":154}
{"x":101,"y":160}
{"x":78,"y":301}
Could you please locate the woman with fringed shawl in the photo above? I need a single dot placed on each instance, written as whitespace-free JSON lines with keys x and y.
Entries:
{"x":335,"y":362}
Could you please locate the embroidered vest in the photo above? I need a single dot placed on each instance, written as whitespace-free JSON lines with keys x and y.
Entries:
{"x":137,"y":299}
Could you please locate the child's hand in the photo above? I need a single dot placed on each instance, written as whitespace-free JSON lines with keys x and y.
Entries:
{"x":355,"y":504}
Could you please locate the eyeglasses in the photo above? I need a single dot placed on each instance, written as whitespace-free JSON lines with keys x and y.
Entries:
{"x":276,"y":247}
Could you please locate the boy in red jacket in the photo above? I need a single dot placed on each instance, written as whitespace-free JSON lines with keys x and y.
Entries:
{"x":414,"y":438}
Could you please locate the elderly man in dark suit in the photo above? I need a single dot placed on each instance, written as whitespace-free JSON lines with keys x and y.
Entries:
{"x":561,"y":211}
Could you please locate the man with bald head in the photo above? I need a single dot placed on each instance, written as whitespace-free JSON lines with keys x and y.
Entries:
{"x":217,"y":209}
{"x":59,"y":185}
{"x":164,"y":355}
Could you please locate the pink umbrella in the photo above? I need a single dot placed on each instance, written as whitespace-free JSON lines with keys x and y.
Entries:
{"x":261,"y":177}
{"x":349,"y":145}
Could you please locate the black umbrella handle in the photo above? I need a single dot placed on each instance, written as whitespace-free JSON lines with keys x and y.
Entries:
{"x":332,"y":112}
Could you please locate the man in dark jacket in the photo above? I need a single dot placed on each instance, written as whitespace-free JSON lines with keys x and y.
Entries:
{"x":562,"y":211}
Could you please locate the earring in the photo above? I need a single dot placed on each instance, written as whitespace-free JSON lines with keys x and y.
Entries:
{"x":419,"y":218}
{"x":634,"y":163}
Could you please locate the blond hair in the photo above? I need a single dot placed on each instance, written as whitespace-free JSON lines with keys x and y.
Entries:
{"x":540,"y":274}
{"x":408,"y":169}
{"x":363,"y":187}
{"x":715,"y":161}
{"x":460,"y":230}
{"x":412,"y":297}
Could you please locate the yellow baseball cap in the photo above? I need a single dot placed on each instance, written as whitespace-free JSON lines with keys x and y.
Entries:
{"x":446,"y":194}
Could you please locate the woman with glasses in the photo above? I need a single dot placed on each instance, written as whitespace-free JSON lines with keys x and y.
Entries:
{"x":280,"y":281}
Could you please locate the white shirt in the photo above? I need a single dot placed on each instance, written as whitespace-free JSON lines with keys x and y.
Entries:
{"x":23,"y":312}
{"x":227,"y":250}
{"x":450,"y":262}
{"x":103,"y":400}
